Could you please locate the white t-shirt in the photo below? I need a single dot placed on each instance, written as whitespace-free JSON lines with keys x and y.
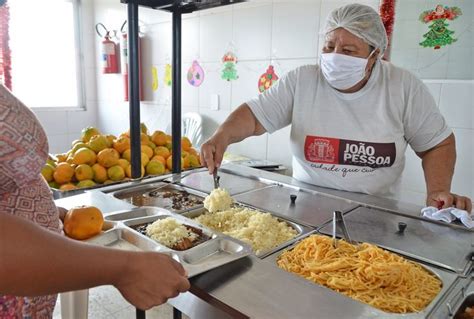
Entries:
{"x":356,"y":141}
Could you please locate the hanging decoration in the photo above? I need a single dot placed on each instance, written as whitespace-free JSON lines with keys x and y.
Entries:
{"x":229,"y":72}
{"x":154,"y":77}
{"x":387,"y":14}
{"x":267,"y":79}
{"x":168,"y":74}
{"x":5,"y":52}
{"x":439,"y":35}
{"x":195,"y":74}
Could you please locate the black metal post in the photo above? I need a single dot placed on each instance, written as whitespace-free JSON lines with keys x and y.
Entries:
{"x":140,"y":314}
{"x":134,"y":88}
{"x":177,"y":314}
{"x":176,"y":93}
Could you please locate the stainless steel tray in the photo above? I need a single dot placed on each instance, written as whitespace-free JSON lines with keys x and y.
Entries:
{"x":446,"y":278}
{"x":142,"y":195}
{"x":431,"y":243}
{"x":302,"y":230}
{"x":233,"y":183}
{"x":456,"y":300}
{"x":310,"y":208}
{"x":216,"y":251}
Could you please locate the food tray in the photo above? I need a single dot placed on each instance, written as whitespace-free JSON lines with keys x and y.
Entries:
{"x":301,"y":229}
{"x":169,"y":196}
{"x":216,"y":251}
{"x":447,"y":279}
{"x":130,"y":214}
{"x":421,"y":240}
{"x":456,"y":300}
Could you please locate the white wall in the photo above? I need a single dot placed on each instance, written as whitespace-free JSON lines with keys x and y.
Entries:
{"x":282,"y":32}
{"x":62,"y":127}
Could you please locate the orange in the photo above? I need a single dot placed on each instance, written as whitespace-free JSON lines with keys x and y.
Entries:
{"x":186,"y":143}
{"x":67,"y":187}
{"x":194,"y":161}
{"x":98,"y":142}
{"x":47,"y":171}
{"x":86,"y":183}
{"x":123,"y":163}
{"x":84,"y":156}
{"x":155,"y":168}
{"x":147,"y":150}
{"x":83,"y":222}
{"x":169,"y":162}
{"x":159,"y":159}
{"x":128,"y":171}
{"x":162,"y":151}
{"x":76,"y":147}
{"x":75,"y":142}
{"x":108,"y":157}
{"x":116,"y":173}
{"x":127,"y":154}
{"x":83,"y":172}
{"x":88,"y":132}
{"x":111,"y":138}
{"x":121,"y":144}
{"x":193,"y":152}
{"x":159,"y":138}
{"x":63,"y":173}
{"x":185,"y":161}
{"x":145,"y":159}
{"x":144,"y":138}
{"x":100,"y":173}
{"x":61,"y":157}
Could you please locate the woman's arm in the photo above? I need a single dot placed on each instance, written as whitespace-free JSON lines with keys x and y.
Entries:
{"x":35,"y":261}
{"x":438,"y":166}
{"x":240,"y":124}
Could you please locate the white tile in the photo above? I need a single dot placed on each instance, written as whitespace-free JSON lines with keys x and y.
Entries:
{"x":59,"y":143}
{"x":190,"y":33}
{"x":211,"y":121}
{"x":161,"y":42}
{"x":407,"y":10}
{"x":90,"y":85}
{"x":301,"y":19}
{"x":407,"y":34}
{"x":246,"y":87}
{"x":435,"y":90}
{"x":456,"y":104}
{"x":404,"y":58}
{"x":215,"y":34}
{"x":432,"y":64}
{"x":53,"y":122}
{"x":279,"y":150}
{"x":252,"y":38}
{"x":214,"y":84}
{"x":460,"y":66}
{"x":252,"y":147}
{"x":463,"y":180}
{"x":78,"y":120}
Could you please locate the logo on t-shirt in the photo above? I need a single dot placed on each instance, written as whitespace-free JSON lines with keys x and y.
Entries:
{"x":328,"y":150}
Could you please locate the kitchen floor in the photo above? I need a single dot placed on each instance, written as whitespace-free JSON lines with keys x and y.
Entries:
{"x":106,"y":302}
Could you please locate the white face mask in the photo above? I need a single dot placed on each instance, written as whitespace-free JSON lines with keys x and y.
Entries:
{"x":342,"y":71}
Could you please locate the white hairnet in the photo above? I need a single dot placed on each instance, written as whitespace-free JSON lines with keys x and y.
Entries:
{"x":360,"y":20}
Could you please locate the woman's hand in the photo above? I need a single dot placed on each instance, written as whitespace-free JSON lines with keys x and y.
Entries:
{"x":443,"y":199}
{"x":150,"y":279}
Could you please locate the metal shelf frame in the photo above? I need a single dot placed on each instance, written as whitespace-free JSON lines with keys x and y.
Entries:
{"x":177,"y":8}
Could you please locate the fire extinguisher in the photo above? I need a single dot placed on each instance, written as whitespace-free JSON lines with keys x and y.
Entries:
{"x":124,"y":61}
{"x":109,"y":51}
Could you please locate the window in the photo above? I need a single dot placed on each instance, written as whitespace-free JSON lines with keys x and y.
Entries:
{"x":45,"y":50}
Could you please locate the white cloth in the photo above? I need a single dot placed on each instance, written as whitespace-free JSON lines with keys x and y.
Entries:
{"x":448,"y":215}
{"x":354,"y":142}
{"x":360,"y":20}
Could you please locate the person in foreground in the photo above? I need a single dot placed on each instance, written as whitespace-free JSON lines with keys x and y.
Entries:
{"x":36,"y":261}
{"x":352,"y":117}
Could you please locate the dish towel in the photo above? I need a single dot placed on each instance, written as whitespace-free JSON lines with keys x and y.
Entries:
{"x":448,"y":215}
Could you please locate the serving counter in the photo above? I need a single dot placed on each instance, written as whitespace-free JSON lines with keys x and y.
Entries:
{"x":255,"y":287}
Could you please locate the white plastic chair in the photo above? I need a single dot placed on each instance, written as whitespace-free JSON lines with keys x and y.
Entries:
{"x":191,"y":127}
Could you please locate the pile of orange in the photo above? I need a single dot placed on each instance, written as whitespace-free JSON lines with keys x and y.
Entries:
{"x":96,"y":158}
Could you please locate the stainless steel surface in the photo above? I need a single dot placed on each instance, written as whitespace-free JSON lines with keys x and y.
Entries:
{"x":216,"y":250}
{"x":338,"y":223}
{"x":234,"y":184}
{"x":301,"y":230}
{"x":309,"y":208}
{"x":432,"y":243}
{"x":142,"y":196}
{"x":130,"y":214}
{"x":446,"y":278}
{"x":98,"y":199}
{"x":456,"y":299}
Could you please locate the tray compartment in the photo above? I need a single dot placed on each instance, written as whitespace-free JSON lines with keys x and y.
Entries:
{"x":165,"y":195}
{"x":214,"y":250}
{"x":134,"y":213}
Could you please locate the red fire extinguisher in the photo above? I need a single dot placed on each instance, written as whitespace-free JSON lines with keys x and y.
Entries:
{"x":124,"y":61}
{"x":108,"y":50}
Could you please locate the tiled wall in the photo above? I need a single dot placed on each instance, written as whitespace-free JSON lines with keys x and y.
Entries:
{"x":282,"y":32}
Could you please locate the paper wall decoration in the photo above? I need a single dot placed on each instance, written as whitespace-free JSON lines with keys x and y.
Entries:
{"x":267,"y":79}
{"x":229,"y":72}
{"x":195,"y":74}
{"x":154,"y":75}
{"x":168,"y":74}
{"x":439,"y":34}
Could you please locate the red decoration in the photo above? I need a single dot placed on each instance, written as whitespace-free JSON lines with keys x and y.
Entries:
{"x":267,"y":79}
{"x":5,"y":53}
{"x":387,"y":13}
